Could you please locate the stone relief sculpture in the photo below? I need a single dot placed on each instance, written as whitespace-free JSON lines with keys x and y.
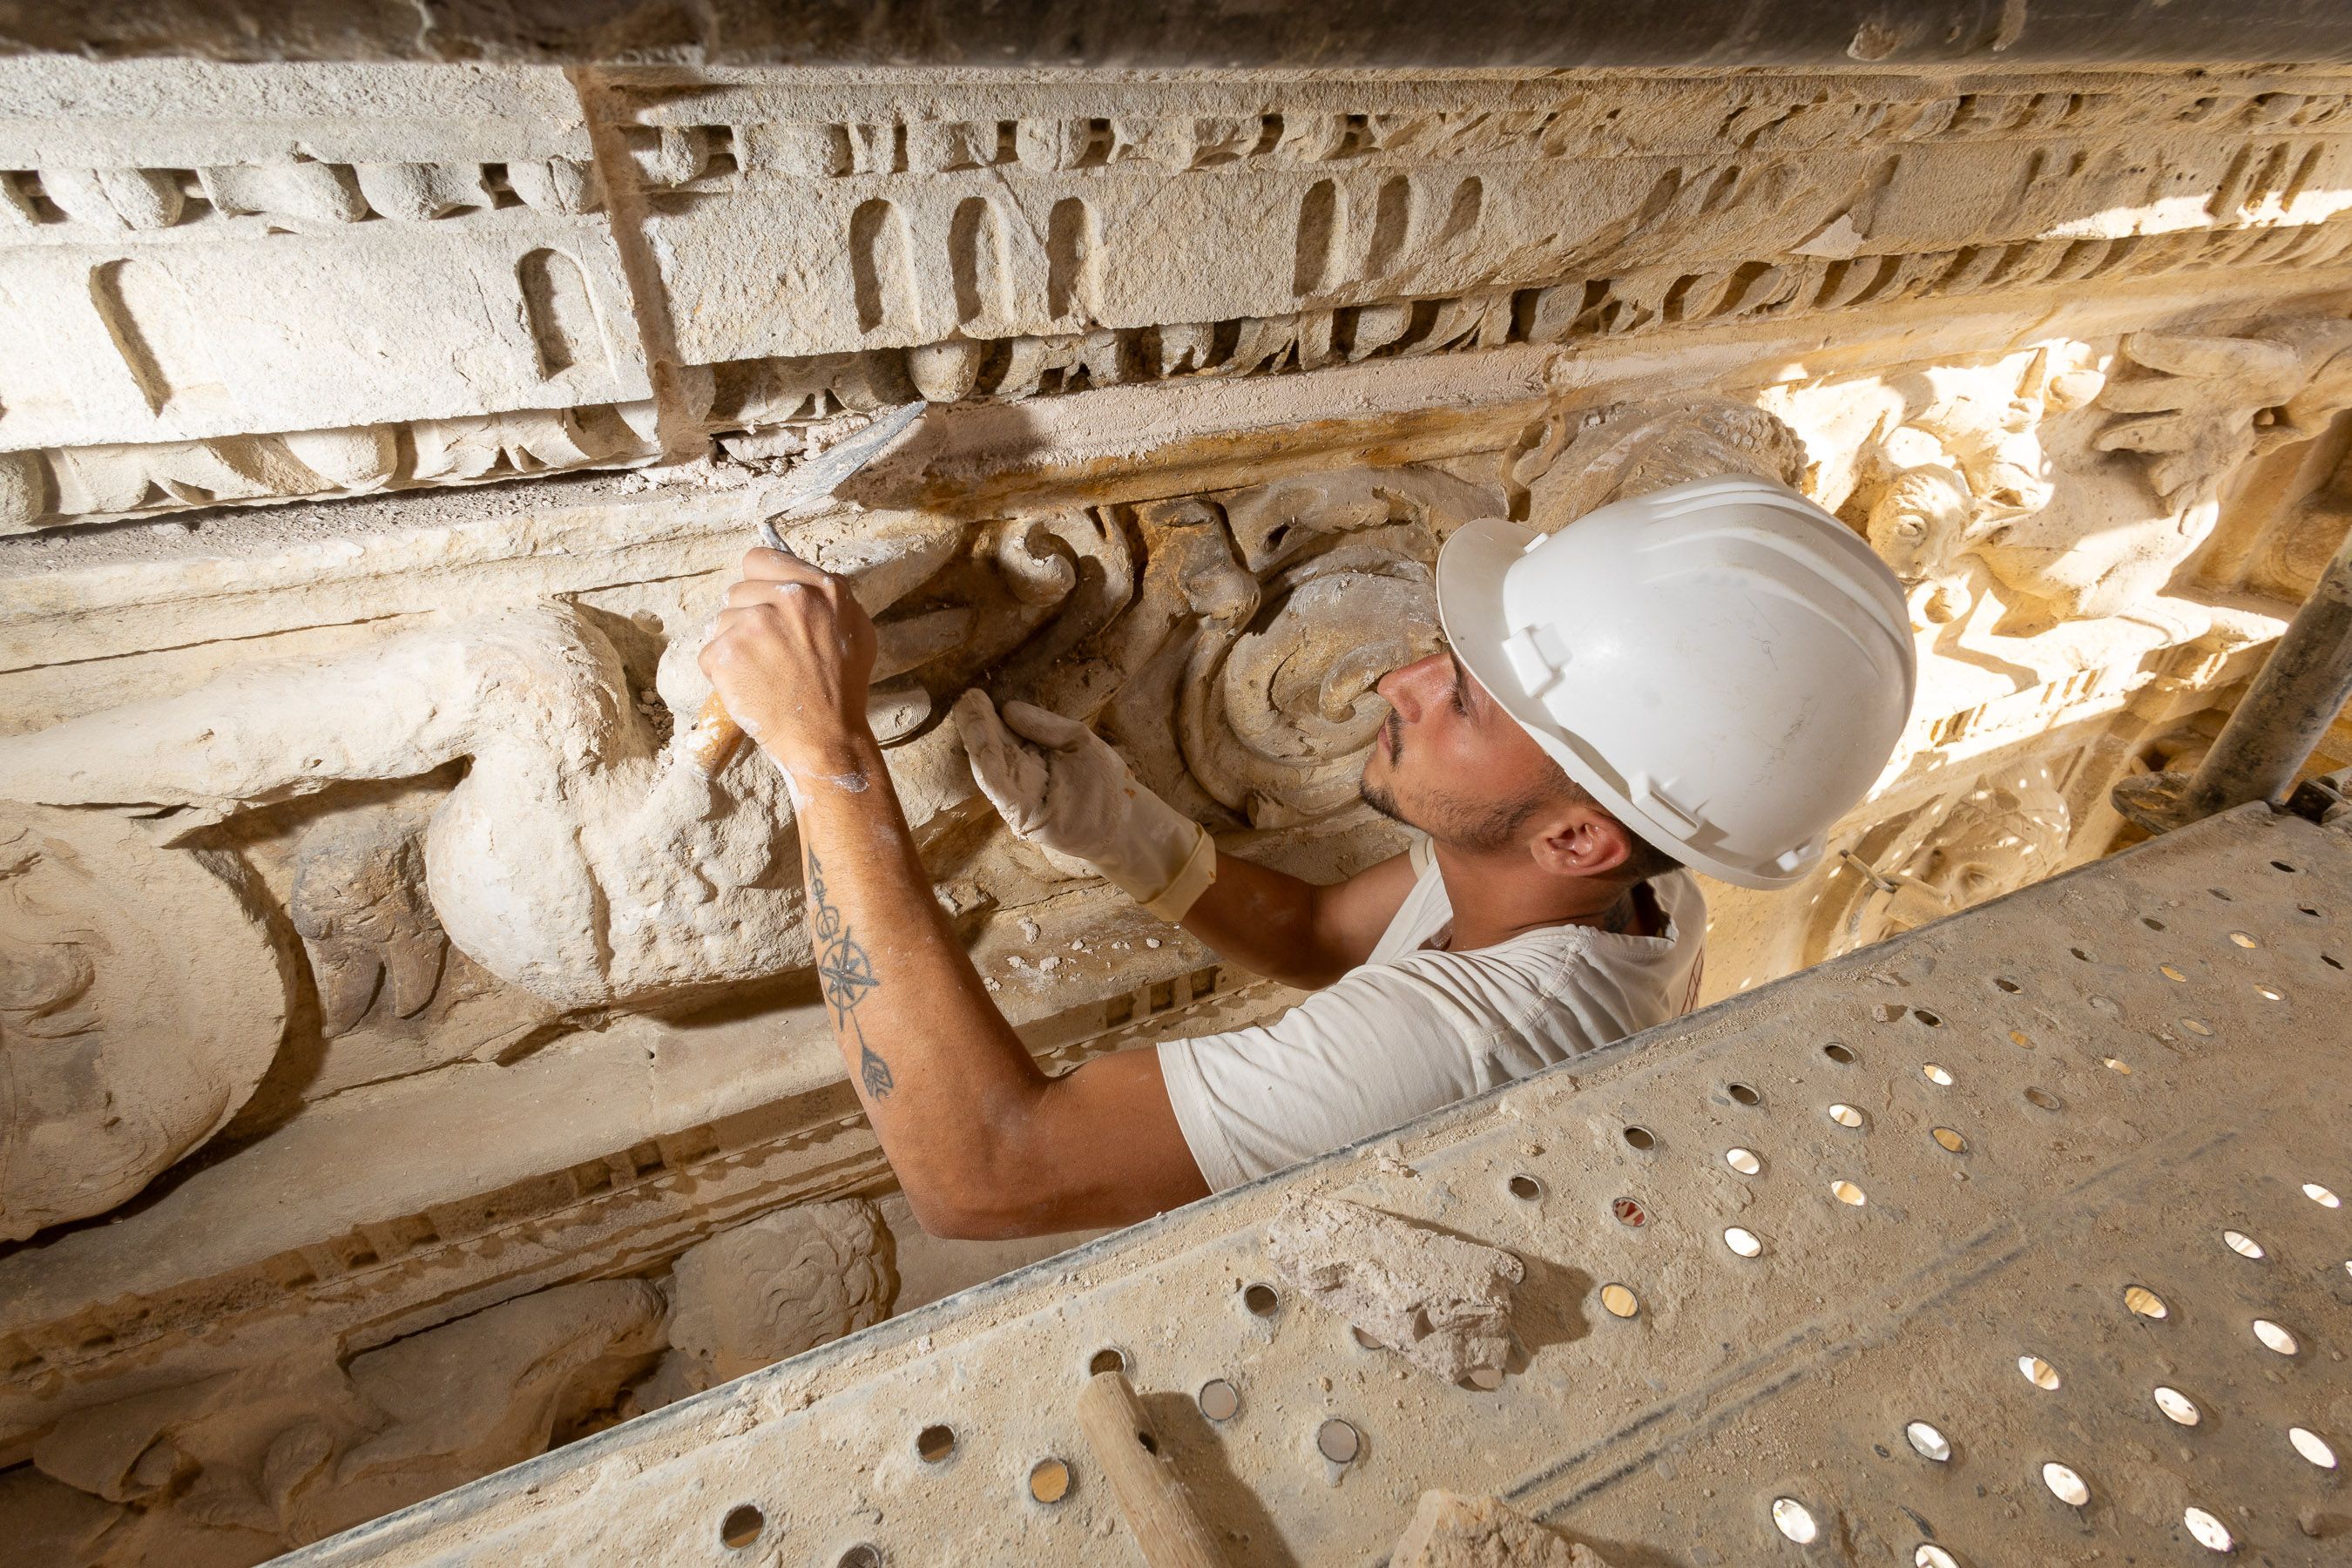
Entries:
{"x":131,"y":1028}
{"x":413,"y":806}
{"x":2008,"y":829}
{"x":572,"y":859}
{"x":2201,"y":407}
{"x":239,"y":1466}
{"x":1229,"y":642}
{"x":1943,"y":487}
{"x":580,"y":859}
{"x":772,"y":1289}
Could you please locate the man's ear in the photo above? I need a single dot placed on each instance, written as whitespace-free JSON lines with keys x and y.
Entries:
{"x":1581,"y":841}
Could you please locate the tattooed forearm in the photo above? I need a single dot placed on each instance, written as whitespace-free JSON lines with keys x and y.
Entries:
{"x":846,"y":973}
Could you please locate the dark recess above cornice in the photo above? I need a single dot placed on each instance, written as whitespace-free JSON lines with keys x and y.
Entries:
{"x":1223,"y":35}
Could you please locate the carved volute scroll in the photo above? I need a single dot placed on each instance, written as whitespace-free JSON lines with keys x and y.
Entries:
{"x":142,"y":999}
{"x":1276,"y":710}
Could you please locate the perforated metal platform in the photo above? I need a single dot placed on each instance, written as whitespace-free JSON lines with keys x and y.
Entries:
{"x":2015,"y":1240}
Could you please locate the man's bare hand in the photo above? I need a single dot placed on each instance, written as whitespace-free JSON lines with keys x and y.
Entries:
{"x":791,"y":656}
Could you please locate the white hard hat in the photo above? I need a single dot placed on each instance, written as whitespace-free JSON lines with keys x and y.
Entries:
{"x":1723,"y":664}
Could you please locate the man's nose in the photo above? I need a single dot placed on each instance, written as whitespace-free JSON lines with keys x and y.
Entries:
{"x":1408,"y":687}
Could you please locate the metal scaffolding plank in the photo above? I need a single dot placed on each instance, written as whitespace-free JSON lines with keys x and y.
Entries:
{"x":2042,"y":1199}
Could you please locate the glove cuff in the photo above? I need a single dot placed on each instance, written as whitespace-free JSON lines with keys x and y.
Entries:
{"x":1193,"y":875}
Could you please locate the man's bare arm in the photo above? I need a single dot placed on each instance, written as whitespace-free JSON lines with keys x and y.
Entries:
{"x":982,"y":1141}
{"x":1276,"y":925}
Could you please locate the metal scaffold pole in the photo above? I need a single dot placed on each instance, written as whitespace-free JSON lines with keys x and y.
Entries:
{"x":2302,"y":687}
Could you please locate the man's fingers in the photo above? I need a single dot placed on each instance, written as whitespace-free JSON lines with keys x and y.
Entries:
{"x":767,"y":591}
{"x":731,"y":626}
{"x":742,"y":617}
{"x":728,"y":631}
{"x":761,"y":564}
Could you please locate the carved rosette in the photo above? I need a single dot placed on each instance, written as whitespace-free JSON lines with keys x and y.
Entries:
{"x":141,"y":1001}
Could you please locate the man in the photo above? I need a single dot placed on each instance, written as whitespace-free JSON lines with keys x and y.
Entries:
{"x":1708,"y":676}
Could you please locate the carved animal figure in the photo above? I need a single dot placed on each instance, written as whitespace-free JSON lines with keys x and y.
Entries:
{"x":1938,"y":489}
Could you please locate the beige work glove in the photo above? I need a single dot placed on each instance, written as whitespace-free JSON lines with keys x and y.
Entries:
{"x":1060,"y":786}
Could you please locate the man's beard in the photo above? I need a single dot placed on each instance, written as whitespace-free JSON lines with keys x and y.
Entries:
{"x":1484,"y":828}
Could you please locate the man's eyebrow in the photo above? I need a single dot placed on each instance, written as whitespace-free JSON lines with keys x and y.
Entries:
{"x":1461,"y":682}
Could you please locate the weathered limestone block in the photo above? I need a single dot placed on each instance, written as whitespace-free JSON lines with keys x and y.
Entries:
{"x":142,"y":997}
{"x":1443,"y":1303}
{"x":296,"y":248}
{"x":774,"y":1288}
{"x":490,"y":1389}
{"x":1449,"y":1531}
{"x":1181,"y":203}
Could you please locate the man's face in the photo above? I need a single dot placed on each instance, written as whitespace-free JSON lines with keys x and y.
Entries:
{"x":1449,"y":761}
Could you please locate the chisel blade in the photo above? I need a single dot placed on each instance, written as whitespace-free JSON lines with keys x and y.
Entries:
{"x":814,"y":482}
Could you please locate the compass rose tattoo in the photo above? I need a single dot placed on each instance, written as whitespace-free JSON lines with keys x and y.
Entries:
{"x":846,"y":974}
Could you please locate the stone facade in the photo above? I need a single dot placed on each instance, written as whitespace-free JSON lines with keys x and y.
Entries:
{"x":436,"y":1045}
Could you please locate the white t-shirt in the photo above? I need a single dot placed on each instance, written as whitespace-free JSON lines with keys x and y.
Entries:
{"x":1415,"y":1029}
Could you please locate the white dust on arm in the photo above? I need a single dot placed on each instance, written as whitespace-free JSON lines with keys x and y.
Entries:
{"x":792,"y":787}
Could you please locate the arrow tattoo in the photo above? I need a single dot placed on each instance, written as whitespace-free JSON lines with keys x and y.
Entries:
{"x":844,"y":975}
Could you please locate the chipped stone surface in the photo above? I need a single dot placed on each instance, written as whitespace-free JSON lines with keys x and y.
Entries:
{"x":1443,"y":1303}
{"x":1449,"y":1531}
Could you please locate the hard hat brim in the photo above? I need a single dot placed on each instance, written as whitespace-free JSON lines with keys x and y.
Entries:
{"x":1470,"y":607}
